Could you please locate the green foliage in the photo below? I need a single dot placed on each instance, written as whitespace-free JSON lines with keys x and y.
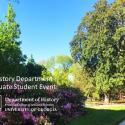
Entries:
{"x":49,"y":63}
{"x":60,"y":76}
{"x":81,"y":81}
{"x":62,"y":72}
{"x":58,"y":69}
{"x":99,"y":45}
{"x":33,"y":69}
{"x":47,"y":75}
{"x":64,"y":61}
{"x":11,"y":57}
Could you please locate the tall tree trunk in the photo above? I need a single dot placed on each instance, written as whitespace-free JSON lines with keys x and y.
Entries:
{"x":106,"y":98}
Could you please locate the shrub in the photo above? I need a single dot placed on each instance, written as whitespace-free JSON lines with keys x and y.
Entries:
{"x":70,"y":104}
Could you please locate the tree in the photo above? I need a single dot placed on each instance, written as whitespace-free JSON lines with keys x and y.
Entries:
{"x":60,"y":77}
{"x":47,"y":75}
{"x":61,"y":61}
{"x":49,"y":63}
{"x":11,"y":57}
{"x":62,"y":70}
{"x":64,"y":61}
{"x":33,"y":69}
{"x":99,"y":46}
{"x":81,"y":81}
{"x":58,"y":69}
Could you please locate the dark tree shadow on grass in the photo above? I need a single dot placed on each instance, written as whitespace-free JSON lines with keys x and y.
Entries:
{"x":99,"y":117}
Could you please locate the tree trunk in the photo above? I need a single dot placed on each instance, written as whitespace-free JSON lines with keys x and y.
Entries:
{"x":106,"y":98}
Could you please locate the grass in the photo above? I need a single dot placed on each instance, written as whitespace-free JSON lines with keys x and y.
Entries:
{"x":109,"y":115}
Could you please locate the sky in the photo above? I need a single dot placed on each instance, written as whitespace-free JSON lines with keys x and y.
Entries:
{"x":48,"y":26}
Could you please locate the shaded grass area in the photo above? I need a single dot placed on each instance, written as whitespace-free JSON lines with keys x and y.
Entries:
{"x":110,"y":115}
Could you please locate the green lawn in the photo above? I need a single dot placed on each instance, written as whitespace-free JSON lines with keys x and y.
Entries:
{"x":110,"y":115}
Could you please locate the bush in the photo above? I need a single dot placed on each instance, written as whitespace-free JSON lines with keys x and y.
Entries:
{"x":70,"y":104}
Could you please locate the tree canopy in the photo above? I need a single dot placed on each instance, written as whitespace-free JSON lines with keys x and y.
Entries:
{"x":99,"y":45}
{"x":33,"y":69}
{"x":58,"y":69}
{"x":11,"y":57}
